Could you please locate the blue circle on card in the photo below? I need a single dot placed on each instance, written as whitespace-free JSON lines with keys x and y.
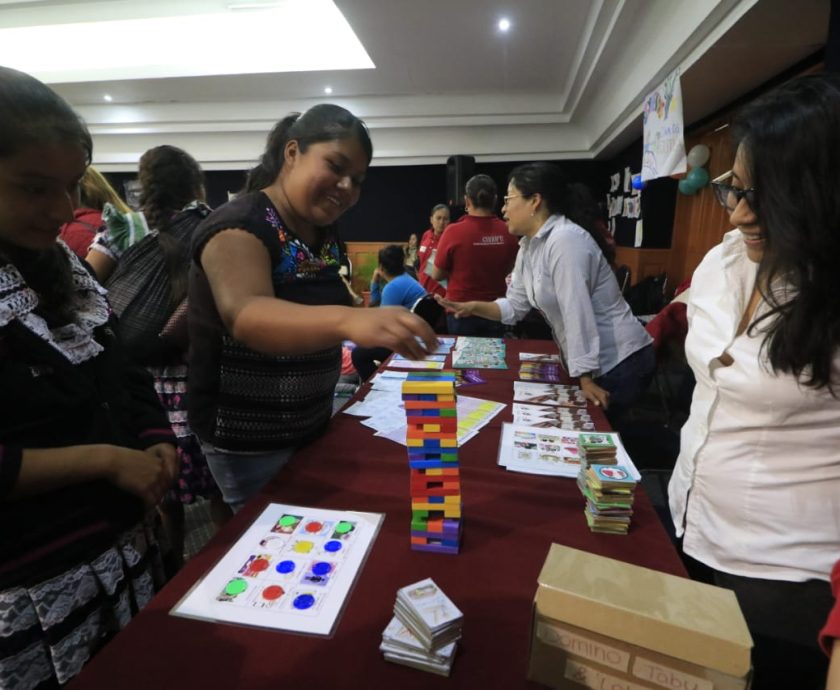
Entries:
{"x":332,"y":546}
{"x":304,"y":601}
{"x":285,"y":567}
{"x":321,"y":568}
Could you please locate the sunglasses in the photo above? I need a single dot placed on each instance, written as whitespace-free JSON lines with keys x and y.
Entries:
{"x":728,"y":196}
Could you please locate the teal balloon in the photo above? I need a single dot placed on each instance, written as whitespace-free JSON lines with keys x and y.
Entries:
{"x":698,"y":177}
{"x":686,"y":187}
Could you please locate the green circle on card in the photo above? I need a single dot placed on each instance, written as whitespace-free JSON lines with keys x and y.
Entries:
{"x":343,"y":527}
{"x":236,"y":586}
{"x":287,"y":520}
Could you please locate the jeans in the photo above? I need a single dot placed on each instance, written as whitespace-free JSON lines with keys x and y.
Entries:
{"x":474,"y":326}
{"x":626,"y":382}
{"x":241,"y":475}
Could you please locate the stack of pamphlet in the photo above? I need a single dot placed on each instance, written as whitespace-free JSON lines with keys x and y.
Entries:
{"x":425,"y":629}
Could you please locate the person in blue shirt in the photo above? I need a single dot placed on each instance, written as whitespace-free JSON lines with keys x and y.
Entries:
{"x":399,"y":290}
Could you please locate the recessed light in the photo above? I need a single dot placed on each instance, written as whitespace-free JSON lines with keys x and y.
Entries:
{"x":504,"y":24}
{"x":328,"y":90}
{"x":107,"y":98}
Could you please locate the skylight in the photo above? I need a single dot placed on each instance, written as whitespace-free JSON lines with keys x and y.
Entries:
{"x":244,"y":38}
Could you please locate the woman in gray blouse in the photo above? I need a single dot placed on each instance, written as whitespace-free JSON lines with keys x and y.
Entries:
{"x":561,"y":271}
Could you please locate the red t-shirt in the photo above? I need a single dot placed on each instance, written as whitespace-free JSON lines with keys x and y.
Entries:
{"x":477,"y":252}
{"x":79,"y":232}
{"x":424,"y":250}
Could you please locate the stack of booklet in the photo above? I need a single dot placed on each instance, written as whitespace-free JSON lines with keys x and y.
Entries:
{"x":425,"y":629}
{"x":609,"y":492}
{"x":595,"y":448}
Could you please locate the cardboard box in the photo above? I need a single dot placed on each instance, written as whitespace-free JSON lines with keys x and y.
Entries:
{"x":602,"y":624}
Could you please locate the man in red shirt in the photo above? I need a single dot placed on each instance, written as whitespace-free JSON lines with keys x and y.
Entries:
{"x":474,"y":256}
{"x":428,"y":247}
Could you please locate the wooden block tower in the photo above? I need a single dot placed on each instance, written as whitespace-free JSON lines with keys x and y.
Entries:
{"x":432,"y":440}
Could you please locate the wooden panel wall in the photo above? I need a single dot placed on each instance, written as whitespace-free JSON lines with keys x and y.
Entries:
{"x":642,"y":262}
{"x":699,"y":220}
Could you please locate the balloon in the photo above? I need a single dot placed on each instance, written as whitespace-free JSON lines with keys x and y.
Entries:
{"x":698,"y":156}
{"x":686,"y":187}
{"x":698,"y":177}
{"x":637,"y":182}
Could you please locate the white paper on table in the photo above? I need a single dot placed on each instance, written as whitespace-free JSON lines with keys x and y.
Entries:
{"x":537,"y":450}
{"x":415,"y":364}
{"x":273,"y":595}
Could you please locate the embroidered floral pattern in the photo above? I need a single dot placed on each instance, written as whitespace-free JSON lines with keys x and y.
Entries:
{"x":297,"y":260}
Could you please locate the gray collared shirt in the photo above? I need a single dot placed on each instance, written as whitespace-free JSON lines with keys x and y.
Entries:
{"x":562,"y":272}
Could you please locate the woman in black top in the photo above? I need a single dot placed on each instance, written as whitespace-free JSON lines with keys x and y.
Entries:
{"x":269,"y":308}
{"x":85,"y":448}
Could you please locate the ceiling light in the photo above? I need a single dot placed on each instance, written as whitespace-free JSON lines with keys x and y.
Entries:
{"x":504,"y":24}
{"x":107,"y":98}
{"x":47,"y":48}
{"x":328,"y":90}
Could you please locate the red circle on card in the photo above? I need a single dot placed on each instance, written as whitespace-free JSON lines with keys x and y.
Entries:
{"x":259,"y":564}
{"x":314,"y":527}
{"x":273,"y":592}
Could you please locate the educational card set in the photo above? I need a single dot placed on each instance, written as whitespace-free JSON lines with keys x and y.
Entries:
{"x":548,"y":416}
{"x":544,"y":372}
{"x":609,"y":491}
{"x":432,"y":441}
{"x":425,"y":629}
{"x":291,"y":570}
{"x":479,"y":353}
{"x":556,"y":452}
{"x":554,"y":394}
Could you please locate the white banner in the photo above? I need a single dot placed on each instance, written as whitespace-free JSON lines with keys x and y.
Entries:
{"x":664,"y":148}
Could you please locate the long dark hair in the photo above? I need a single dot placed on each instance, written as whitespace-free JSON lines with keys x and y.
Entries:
{"x":551,"y":183}
{"x":31,"y":113}
{"x":170,"y":178}
{"x":789,"y":140}
{"x":322,"y":122}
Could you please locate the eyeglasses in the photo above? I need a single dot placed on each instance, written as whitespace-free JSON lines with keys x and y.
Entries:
{"x":512,"y":196}
{"x":728,"y":196}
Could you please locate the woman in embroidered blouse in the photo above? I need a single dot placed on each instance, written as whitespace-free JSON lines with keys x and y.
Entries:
{"x":267,"y":302}
{"x":84,"y":445}
{"x":755,"y":493}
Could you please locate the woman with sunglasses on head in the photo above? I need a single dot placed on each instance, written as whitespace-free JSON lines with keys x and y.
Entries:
{"x":268,"y":306}
{"x":755,"y":493}
{"x":561,"y":270}
{"x":85,"y":448}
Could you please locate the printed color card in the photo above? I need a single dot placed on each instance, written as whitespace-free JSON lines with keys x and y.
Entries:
{"x":292,"y":570}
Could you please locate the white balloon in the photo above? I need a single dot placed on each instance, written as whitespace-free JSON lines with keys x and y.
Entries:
{"x":698,"y":156}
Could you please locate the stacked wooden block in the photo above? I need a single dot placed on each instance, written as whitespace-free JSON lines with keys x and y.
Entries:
{"x":432,"y":440}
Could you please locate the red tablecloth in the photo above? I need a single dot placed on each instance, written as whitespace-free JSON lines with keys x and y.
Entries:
{"x":510,"y":520}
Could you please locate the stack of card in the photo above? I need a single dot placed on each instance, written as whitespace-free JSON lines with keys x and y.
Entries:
{"x":597,"y":448}
{"x":609,"y":492}
{"x":426,"y":627}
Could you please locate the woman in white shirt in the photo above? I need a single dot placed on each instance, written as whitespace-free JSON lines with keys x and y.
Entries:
{"x":561,"y":271}
{"x":755,"y":493}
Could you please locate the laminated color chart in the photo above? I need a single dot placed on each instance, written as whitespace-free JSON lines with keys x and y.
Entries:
{"x":292,"y":569}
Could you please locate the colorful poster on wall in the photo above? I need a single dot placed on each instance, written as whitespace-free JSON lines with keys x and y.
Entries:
{"x":664,"y":147}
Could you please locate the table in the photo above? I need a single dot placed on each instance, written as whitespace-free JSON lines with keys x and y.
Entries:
{"x":510,"y":520}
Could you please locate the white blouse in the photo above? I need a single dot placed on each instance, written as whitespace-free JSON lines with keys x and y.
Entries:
{"x":562,"y":272}
{"x":756,"y":487}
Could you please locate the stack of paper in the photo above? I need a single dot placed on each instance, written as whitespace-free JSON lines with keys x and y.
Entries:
{"x":555,"y":394}
{"x":401,"y":647}
{"x":432,"y":628}
{"x":546,"y":417}
{"x":609,"y":492}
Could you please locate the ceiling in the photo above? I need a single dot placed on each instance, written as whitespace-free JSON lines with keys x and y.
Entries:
{"x":566,"y":81}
